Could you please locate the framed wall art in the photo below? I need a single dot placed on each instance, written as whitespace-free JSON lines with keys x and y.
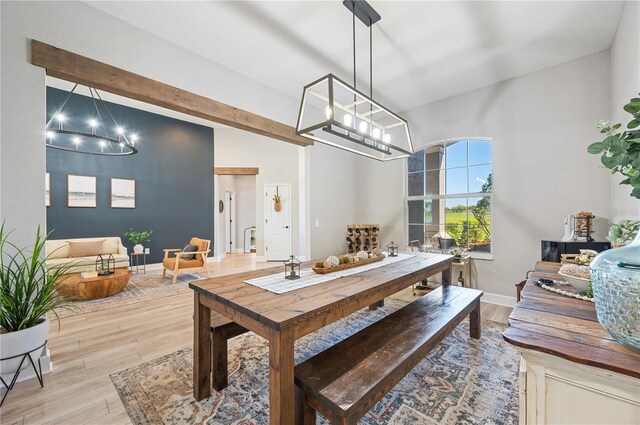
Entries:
{"x":81,"y":191}
{"x":123,"y":193}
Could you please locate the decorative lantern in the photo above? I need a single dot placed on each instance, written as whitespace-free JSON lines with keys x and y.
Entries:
{"x":392,"y":248}
{"x":292,"y":268}
{"x":105,"y":265}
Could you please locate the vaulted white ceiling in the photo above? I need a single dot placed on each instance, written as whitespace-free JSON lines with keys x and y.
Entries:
{"x":422,"y":51}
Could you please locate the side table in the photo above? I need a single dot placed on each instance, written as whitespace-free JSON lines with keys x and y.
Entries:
{"x":137,"y":264}
{"x":465,"y":262}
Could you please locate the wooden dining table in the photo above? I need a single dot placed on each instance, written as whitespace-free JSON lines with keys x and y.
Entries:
{"x":283,"y":318}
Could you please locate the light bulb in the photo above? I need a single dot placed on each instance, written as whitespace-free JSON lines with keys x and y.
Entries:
{"x":50,"y":134}
{"x":102,"y":143}
{"x":93,"y":122}
{"x":60,"y":117}
{"x":120,"y":130}
{"x":328,"y":112}
{"x":376,"y":133}
{"x":386,"y":138}
{"x":362,"y":126}
{"x":348,"y":120}
{"x":133,"y":137}
{"x":76,"y":140}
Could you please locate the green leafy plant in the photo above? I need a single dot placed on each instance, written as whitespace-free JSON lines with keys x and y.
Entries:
{"x":623,"y":231}
{"x":621,"y":149}
{"x":27,"y":288}
{"x":455,"y":251}
{"x":138,"y":237}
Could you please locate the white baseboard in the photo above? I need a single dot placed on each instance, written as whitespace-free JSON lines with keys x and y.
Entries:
{"x":217,"y":258}
{"x":498,"y":299}
{"x":28,"y":373}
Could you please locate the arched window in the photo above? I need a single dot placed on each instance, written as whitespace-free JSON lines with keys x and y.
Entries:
{"x":450,"y":186}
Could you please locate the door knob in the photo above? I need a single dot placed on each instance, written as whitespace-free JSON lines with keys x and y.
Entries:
{"x":286,"y":227}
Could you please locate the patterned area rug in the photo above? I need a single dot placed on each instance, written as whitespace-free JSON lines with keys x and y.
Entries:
{"x":462,"y":381}
{"x":142,"y":287}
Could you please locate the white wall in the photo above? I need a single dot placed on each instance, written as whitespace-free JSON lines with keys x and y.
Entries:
{"x":104,"y":38}
{"x":336,"y":181}
{"x":625,"y":84}
{"x":541,"y":124}
{"x":245,"y":189}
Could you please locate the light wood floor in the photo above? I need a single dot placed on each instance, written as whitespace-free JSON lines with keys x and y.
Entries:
{"x":89,"y":347}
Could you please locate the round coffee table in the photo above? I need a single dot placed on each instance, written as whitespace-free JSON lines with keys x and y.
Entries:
{"x":74,"y":286}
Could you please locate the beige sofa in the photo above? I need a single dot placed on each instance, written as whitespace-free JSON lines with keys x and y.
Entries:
{"x":59,"y":253}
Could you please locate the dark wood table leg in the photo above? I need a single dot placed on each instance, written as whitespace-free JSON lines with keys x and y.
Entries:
{"x":201,"y":349}
{"x":375,"y":306}
{"x":281,"y":383}
{"x":219,"y":360}
{"x":446,"y":275}
{"x":474,"y":322}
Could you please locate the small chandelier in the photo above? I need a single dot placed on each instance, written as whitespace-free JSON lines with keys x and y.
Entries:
{"x":337,"y":114}
{"x":93,"y":137}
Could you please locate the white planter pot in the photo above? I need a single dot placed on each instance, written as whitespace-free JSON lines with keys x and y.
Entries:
{"x":138,"y":249}
{"x":24,"y":341}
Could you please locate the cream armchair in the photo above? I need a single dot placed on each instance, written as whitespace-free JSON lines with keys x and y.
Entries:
{"x":177,"y":264}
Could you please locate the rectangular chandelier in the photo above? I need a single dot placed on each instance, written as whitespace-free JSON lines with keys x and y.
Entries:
{"x":334,"y":113}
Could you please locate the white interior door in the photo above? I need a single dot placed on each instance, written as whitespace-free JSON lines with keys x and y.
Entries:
{"x":277,"y":223}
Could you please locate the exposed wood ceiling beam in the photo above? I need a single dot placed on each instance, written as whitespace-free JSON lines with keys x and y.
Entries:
{"x":79,"y":69}
{"x":236,"y":171}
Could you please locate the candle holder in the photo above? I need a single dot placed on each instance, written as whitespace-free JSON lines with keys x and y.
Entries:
{"x":292,"y":268}
{"x":392,"y":248}
{"x":105,"y":265}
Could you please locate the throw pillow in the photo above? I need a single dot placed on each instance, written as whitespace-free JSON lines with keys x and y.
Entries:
{"x":86,"y":249}
{"x":189,"y":248}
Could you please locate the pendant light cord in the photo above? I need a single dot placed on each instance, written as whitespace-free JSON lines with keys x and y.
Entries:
{"x":353,"y":9}
{"x":370,"y":59}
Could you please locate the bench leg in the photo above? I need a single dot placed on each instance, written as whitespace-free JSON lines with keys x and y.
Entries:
{"x":374,"y":306}
{"x":219,"y":360}
{"x":308,"y":412}
{"x":474,"y":322}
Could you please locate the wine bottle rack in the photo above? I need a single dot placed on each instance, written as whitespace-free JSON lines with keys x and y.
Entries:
{"x":363,"y":237}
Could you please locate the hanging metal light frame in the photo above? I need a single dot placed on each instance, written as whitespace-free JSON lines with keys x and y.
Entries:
{"x":371,"y":129}
{"x":99,"y":141}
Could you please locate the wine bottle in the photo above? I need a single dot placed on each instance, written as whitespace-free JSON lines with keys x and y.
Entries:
{"x":461,"y":279}
{"x":366,"y":231}
{"x":357,"y":232}
{"x":358,"y":240}
{"x":349,"y":239}
{"x":374,"y":240}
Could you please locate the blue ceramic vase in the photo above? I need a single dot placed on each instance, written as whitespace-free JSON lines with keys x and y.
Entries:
{"x":615,"y":278}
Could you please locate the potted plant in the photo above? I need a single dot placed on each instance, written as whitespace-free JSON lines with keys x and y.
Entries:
{"x":615,"y":273}
{"x":622,"y":232}
{"x":138,"y":238}
{"x":27,"y":294}
{"x":277,"y":202}
{"x":455,"y":251}
{"x":621,"y":150}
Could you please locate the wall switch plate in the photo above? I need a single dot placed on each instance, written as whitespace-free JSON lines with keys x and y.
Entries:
{"x":146,"y":251}
{"x":316,"y":223}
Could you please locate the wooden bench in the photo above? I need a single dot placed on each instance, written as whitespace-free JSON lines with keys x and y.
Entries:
{"x":222,"y":329}
{"x":345,"y":381}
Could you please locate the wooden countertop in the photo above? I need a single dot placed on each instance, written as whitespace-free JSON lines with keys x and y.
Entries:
{"x":566,"y":327}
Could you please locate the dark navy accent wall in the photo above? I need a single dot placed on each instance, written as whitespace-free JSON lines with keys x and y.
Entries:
{"x":173,"y":170}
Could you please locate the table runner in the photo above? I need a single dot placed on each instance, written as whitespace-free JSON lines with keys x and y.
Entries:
{"x":277,"y":284}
